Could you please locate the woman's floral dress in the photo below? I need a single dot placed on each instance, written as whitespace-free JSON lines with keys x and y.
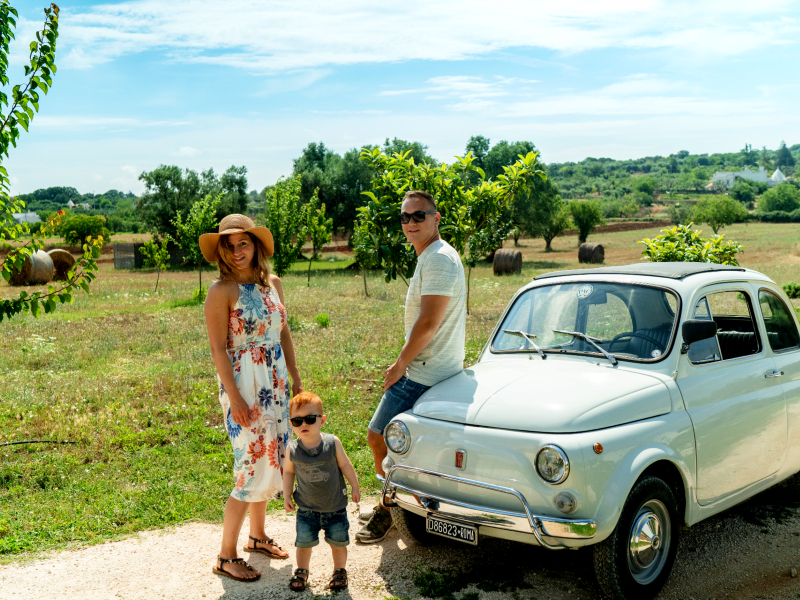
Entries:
{"x":254,"y":333}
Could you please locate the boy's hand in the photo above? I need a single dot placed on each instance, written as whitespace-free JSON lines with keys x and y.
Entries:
{"x":356,"y":496}
{"x":288,"y":505}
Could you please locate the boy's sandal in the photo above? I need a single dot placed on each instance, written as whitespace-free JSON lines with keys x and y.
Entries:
{"x":238,"y":561}
{"x":338,"y":580}
{"x":297,"y":583}
{"x":268,"y":541}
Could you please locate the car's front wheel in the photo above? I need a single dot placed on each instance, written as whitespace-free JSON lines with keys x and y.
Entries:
{"x":412,"y":527}
{"x":636,"y":560}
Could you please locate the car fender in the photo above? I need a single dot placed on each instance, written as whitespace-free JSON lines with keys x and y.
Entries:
{"x":627,"y":452}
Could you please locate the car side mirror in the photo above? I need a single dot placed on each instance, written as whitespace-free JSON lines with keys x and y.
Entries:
{"x":694,"y":330}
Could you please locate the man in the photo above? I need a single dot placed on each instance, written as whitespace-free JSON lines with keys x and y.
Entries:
{"x":435,"y":320}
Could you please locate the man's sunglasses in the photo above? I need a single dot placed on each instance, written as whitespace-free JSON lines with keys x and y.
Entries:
{"x":417,"y":215}
{"x":309,"y":420}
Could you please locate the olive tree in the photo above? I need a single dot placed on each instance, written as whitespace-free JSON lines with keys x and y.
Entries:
{"x":286,"y":222}
{"x":201,"y":219}
{"x":719,"y":211}
{"x":317,"y":228}
{"x":17,"y":110}
{"x":586,"y":215}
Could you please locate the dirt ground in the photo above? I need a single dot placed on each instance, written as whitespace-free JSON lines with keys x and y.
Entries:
{"x":747,"y":553}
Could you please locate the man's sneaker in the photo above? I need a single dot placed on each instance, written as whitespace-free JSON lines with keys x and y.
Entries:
{"x":365,"y":515}
{"x":379,"y":524}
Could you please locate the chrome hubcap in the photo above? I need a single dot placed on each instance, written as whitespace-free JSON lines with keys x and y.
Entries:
{"x":649,"y":542}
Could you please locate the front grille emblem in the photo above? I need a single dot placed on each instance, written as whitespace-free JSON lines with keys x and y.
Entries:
{"x":461,"y":459}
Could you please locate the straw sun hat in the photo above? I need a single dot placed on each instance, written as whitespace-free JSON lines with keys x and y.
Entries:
{"x":234,"y":224}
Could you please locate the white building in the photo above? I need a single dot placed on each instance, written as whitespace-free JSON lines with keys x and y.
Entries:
{"x":28,"y":217}
{"x":728,"y":178}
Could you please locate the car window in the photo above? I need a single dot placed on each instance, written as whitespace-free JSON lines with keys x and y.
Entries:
{"x":607,"y":320}
{"x":706,"y":350}
{"x":736,"y":336}
{"x":781,"y":331}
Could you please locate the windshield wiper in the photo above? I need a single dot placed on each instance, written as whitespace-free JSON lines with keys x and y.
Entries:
{"x":528,"y":336}
{"x":592,"y":340}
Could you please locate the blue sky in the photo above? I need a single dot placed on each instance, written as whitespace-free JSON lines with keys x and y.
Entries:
{"x":201,"y":83}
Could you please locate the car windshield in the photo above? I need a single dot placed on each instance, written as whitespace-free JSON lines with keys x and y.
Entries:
{"x":631,"y":322}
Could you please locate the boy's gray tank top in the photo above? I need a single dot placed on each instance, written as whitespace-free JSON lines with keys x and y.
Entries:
{"x":320,"y":483}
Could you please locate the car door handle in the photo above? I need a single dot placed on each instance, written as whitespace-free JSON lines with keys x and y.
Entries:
{"x":773,"y":374}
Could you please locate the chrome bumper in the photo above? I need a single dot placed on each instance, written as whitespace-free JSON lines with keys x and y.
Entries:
{"x":395,"y":494}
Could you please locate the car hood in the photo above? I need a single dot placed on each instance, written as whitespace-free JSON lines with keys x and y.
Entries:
{"x":553,"y":396}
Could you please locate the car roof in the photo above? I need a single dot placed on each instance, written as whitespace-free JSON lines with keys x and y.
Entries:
{"x":670,"y":270}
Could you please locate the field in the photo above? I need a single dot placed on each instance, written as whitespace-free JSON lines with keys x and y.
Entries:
{"x":125,"y":373}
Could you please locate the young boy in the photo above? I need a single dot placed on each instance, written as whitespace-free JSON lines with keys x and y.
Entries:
{"x":318,"y":461}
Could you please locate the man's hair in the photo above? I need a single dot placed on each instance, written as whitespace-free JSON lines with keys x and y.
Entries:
{"x":304,"y":398}
{"x":421,"y":194}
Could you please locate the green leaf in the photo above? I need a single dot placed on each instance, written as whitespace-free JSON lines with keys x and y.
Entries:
{"x":36,"y":310}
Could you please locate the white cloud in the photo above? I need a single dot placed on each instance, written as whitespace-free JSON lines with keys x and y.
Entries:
{"x":129,"y":169}
{"x":186,"y":151}
{"x":276,"y":35}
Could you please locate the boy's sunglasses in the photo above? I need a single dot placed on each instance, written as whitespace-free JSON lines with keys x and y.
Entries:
{"x":417,"y":215}
{"x":309,"y":420}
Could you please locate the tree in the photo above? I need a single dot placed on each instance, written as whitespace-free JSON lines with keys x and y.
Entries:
{"x":504,"y":154}
{"x":475,"y":218}
{"x":416,"y":150}
{"x":783,"y":157}
{"x":719,"y":211}
{"x":681,"y":244}
{"x":586,"y":215}
{"x":783,"y":196}
{"x":285,"y":221}
{"x":231,"y":187}
{"x":167,"y":191}
{"x":156,"y":257}
{"x":646,"y":185}
{"x":680,"y":213}
{"x":541,"y":213}
{"x":557,"y":223}
{"x":76,"y":229}
{"x":749,"y":156}
{"x":317,"y":228}
{"x":479,"y":146}
{"x":742,"y":192}
{"x":20,"y":112}
{"x":201,"y":219}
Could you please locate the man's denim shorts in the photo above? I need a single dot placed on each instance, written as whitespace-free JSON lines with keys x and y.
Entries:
{"x":335,"y":524}
{"x":397,"y":399}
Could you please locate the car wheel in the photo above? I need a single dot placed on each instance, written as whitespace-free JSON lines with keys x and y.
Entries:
{"x":636,"y":560}
{"x":411,"y":527}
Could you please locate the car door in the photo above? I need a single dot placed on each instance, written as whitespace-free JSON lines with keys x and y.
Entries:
{"x":783,"y":339}
{"x":738,"y":412}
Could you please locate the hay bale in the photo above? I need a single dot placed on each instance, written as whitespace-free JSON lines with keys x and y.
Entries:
{"x":63,"y":261}
{"x":507,"y":261}
{"x":37,"y":269}
{"x":591,"y":253}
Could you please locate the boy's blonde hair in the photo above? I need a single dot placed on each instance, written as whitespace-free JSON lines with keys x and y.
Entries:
{"x":304,"y":398}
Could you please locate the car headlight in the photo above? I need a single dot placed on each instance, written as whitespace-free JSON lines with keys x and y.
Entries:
{"x":552,"y":464}
{"x":397,"y":438}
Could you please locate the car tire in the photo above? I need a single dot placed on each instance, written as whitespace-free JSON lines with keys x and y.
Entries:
{"x":636,"y":560}
{"x":411,"y":527}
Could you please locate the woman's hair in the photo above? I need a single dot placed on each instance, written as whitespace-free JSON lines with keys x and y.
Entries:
{"x":261,"y":268}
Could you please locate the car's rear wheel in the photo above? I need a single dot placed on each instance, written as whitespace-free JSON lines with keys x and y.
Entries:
{"x":412,"y":527}
{"x":636,"y":560}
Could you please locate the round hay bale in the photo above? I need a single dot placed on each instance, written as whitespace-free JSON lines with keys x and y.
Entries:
{"x":591,"y":253}
{"x":507,"y":261}
{"x":62,"y":263}
{"x":37,"y":269}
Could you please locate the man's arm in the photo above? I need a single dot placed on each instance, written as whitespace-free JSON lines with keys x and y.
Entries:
{"x":431,"y":313}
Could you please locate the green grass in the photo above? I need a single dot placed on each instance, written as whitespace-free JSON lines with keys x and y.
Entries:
{"x":129,"y":377}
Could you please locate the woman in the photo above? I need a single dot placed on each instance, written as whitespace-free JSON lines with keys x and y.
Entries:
{"x":252,"y":350}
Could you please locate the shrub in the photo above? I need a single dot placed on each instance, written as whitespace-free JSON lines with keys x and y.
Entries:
{"x":681,"y":244}
{"x":742,"y":192}
{"x":778,"y":216}
{"x":643,"y":198}
{"x":77,"y":228}
{"x":680,"y":213}
{"x":792,"y":289}
{"x":783,"y":196}
{"x":587,"y":216}
{"x":323,"y":320}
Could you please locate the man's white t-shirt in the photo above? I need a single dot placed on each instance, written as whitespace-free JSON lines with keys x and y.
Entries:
{"x":439,"y":273}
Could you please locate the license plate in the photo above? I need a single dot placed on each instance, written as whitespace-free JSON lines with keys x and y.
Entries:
{"x":454,"y":531}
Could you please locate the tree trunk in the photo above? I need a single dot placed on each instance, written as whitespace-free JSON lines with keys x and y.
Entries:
{"x":364,"y":275}
{"x":309,"y":270}
{"x":547,"y":247}
{"x":516,"y":236}
{"x":157,"y":278}
{"x":582,"y":238}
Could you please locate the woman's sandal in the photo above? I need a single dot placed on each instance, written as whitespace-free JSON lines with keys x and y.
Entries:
{"x":300,"y":581}
{"x":338,"y":580}
{"x":238,"y":561}
{"x":268,"y":541}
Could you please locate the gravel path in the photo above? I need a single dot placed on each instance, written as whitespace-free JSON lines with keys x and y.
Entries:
{"x":747,"y":553}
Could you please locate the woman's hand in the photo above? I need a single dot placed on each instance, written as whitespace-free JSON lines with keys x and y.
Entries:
{"x":240,"y":412}
{"x":297,"y":386}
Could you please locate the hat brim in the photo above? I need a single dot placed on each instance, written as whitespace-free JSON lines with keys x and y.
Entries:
{"x":209,"y":242}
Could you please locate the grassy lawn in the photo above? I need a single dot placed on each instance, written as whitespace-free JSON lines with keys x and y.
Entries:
{"x":126,"y":374}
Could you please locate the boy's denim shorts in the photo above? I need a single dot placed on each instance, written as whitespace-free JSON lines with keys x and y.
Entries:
{"x":335,"y":524}
{"x":397,"y":399}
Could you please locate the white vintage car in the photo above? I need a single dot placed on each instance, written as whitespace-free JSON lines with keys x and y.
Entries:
{"x":610,"y":407}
